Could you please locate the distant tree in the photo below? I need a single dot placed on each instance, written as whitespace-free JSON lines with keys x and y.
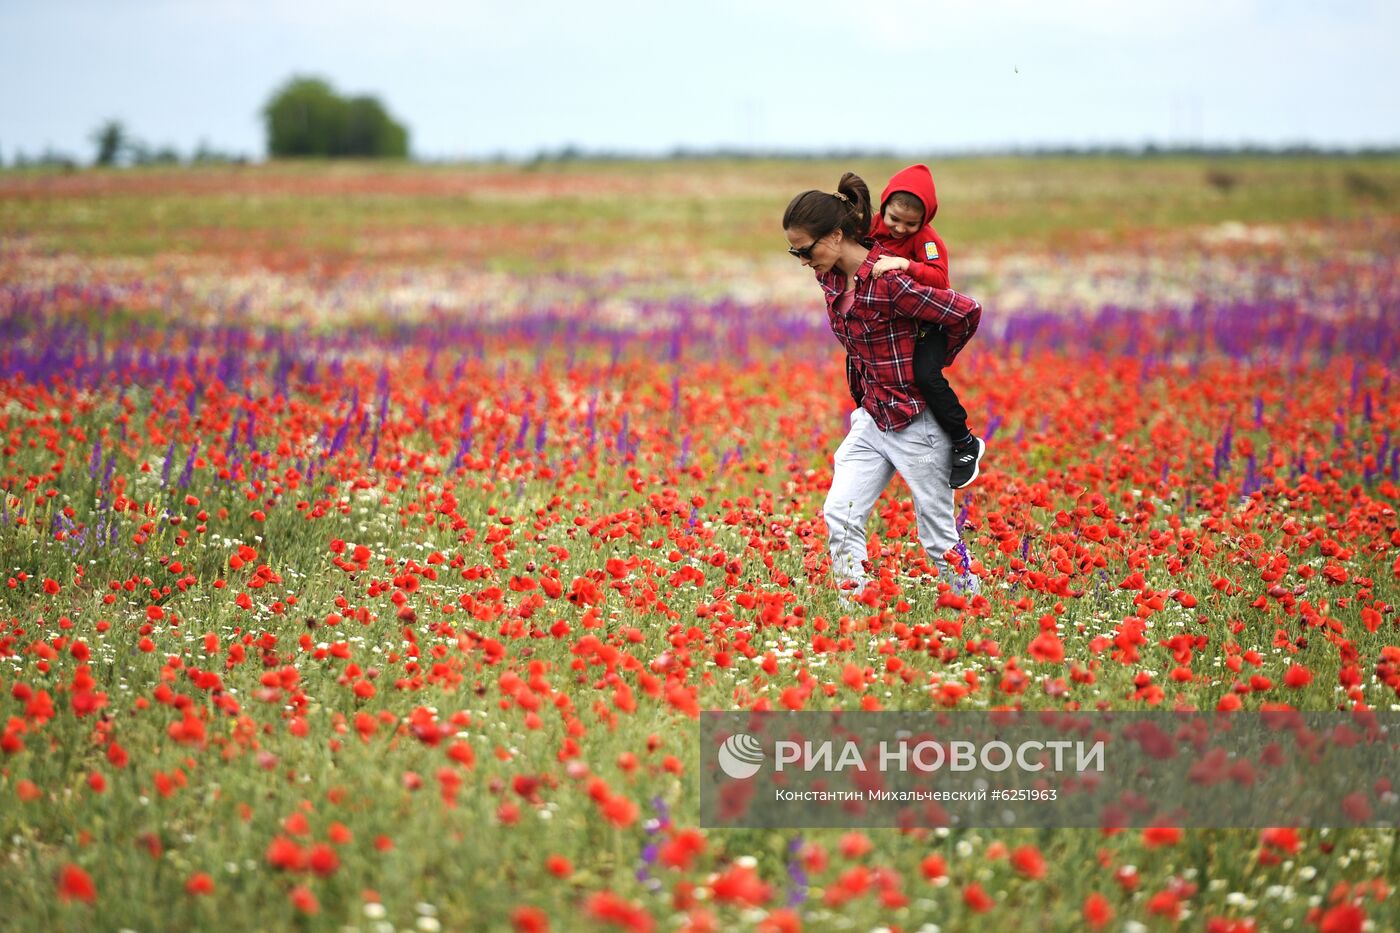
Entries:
{"x":370,"y":131}
{"x":204,"y":154}
{"x":53,"y":158}
{"x":142,"y":154}
{"x":306,"y":117}
{"x":111,"y":139}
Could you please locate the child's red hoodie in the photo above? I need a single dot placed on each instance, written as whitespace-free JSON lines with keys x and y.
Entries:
{"x":928,"y":257}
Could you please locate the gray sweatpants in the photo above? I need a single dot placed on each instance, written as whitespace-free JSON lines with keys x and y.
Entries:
{"x":864,"y":464}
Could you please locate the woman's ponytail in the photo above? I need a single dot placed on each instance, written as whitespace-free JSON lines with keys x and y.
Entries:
{"x":821,"y":212}
{"x":857,"y":194}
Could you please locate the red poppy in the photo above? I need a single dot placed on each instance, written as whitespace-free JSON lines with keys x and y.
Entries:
{"x":855,"y":845}
{"x":1028,"y":861}
{"x":1342,"y":918}
{"x":977,"y":899}
{"x":1159,"y":836}
{"x":304,"y":901}
{"x":529,"y":919}
{"x":199,"y":883}
{"x":1097,"y":911}
{"x":606,"y":907}
{"x":1165,"y":904}
{"x":75,"y":884}
{"x":681,"y":849}
{"x":741,"y":885}
{"x":284,"y":854}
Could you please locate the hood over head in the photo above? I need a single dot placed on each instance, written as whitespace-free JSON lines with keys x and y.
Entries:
{"x":918,"y":181}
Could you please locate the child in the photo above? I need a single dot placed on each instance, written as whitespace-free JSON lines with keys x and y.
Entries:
{"x":907,"y":205}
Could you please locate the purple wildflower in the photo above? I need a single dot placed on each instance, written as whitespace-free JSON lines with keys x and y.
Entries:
{"x":797,"y":874}
{"x":165,"y":471}
{"x":188,"y":472}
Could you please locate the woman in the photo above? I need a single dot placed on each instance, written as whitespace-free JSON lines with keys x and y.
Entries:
{"x":876,"y":320}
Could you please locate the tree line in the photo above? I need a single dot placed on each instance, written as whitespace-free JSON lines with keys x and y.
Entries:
{"x":305,"y":118}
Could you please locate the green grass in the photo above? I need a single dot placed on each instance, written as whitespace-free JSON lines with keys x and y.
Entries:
{"x":665,"y":209}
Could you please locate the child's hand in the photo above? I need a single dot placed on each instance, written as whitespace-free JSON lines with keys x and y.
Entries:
{"x":889,"y":264}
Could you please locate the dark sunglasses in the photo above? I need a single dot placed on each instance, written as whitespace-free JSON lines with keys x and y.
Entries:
{"x":805,"y":252}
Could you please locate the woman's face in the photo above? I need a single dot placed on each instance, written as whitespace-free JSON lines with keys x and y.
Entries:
{"x":819,"y":254}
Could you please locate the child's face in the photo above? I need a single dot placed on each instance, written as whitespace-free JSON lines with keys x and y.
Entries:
{"x":903,"y":221}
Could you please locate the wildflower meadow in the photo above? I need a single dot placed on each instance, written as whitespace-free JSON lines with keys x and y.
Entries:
{"x":373,"y":539}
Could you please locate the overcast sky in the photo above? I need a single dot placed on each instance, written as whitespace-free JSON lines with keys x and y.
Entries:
{"x":473,"y":78}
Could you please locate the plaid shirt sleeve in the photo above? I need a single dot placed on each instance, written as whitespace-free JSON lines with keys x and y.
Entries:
{"x":958,"y":313}
{"x":879,"y":331}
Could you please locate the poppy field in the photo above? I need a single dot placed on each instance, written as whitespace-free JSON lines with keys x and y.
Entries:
{"x":372,"y":541}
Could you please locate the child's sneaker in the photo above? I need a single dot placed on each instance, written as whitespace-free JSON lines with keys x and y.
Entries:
{"x":966,"y":457}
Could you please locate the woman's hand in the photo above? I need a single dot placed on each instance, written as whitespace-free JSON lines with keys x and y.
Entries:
{"x":889,"y":264}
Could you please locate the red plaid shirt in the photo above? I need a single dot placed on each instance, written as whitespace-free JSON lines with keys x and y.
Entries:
{"x":879,"y":331}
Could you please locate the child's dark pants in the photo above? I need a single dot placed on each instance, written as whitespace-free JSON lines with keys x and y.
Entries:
{"x":943,"y":404}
